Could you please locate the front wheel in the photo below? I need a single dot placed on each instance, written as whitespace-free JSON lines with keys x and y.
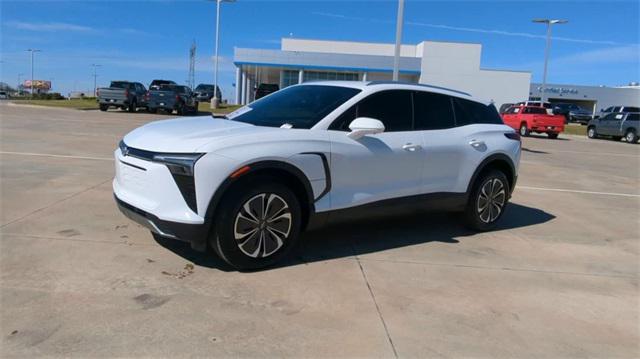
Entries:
{"x":259,"y":225}
{"x":631,"y":136}
{"x":591,"y":132}
{"x":104,"y":107}
{"x":132,"y":106}
{"x":487,"y":201}
{"x":524,"y":131}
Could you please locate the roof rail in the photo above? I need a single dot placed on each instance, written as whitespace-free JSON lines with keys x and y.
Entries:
{"x":415,"y":84}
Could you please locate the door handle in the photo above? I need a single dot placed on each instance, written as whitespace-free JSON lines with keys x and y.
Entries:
{"x":476,"y":143}
{"x":411,"y":147}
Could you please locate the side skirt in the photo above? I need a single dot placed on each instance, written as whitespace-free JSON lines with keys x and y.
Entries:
{"x":440,"y":202}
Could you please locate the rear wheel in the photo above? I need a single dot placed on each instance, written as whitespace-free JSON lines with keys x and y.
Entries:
{"x":552,"y":135}
{"x":259,"y":225}
{"x":631,"y":136}
{"x":104,"y":107}
{"x":132,"y":106}
{"x":591,"y":132}
{"x":524,"y":131}
{"x":487,"y":200}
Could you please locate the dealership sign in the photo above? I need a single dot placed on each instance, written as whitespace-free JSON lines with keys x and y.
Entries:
{"x":38,"y":84}
{"x":560,"y":90}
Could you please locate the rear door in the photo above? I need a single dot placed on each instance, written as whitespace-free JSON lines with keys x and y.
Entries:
{"x":381,"y":166}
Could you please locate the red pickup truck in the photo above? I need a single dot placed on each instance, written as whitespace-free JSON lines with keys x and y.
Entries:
{"x":527,"y":119}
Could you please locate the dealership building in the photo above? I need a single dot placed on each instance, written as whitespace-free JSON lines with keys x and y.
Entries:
{"x":446,"y":64}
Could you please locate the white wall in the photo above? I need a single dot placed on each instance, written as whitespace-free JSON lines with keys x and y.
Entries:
{"x":457,"y":66}
{"x":346,"y":47}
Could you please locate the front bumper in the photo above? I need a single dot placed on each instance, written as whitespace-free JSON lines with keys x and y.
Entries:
{"x":195,"y":234}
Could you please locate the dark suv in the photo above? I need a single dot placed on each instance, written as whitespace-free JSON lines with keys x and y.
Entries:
{"x":204,"y":92}
{"x":572,"y":112}
{"x":265,"y":89}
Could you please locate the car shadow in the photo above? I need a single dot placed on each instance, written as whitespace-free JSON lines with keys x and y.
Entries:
{"x":544,"y":136}
{"x":524,"y":149}
{"x":373,"y":235}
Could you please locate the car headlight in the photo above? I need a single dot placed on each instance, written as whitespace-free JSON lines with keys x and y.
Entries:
{"x":178,"y":163}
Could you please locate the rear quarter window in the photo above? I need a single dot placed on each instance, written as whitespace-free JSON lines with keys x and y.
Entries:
{"x":470,"y":112}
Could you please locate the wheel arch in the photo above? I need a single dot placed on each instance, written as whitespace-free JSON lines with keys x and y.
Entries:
{"x":497,"y":161}
{"x":285,"y":172}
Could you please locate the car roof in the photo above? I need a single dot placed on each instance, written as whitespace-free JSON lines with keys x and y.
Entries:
{"x":395,"y":85}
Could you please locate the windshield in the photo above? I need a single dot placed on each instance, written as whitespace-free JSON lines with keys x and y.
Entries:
{"x":299,"y":106}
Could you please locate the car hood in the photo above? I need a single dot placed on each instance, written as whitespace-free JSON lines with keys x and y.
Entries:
{"x":186,"y":135}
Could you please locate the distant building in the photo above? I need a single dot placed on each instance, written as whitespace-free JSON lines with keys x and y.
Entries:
{"x":446,"y":64}
{"x":592,"y":98}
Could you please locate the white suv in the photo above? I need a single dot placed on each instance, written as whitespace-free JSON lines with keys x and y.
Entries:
{"x":249,"y":183}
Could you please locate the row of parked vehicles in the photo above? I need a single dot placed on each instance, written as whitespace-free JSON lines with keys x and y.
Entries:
{"x":162,"y":95}
{"x":615,"y":122}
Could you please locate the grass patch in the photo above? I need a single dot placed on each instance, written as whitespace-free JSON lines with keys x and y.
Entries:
{"x":206,"y":107}
{"x":575,"y":129}
{"x":76,"y":103}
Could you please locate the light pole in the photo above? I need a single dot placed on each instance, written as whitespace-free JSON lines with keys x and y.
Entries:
{"x":95,"y":76}
{"x":396,"y":54}
{"x":215,"y":101}
{"x":549,"y":23}
{"x":32,"y":51}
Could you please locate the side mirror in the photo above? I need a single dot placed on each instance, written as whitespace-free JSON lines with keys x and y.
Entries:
{"x":363,"y":126}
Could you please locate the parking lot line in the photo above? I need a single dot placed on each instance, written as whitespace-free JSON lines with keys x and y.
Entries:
{"x":579,"y":191}
{"x":57,"y":156}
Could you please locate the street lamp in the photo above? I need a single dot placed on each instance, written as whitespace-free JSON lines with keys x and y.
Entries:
{"x":396,"y":54}
{"x":95,"y":76}
{"x":32,"y":51}
{"x":549,"y":23}
{"x":215,"y":101}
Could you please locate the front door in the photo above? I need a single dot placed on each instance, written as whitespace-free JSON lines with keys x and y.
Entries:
{"x":381,"y":166}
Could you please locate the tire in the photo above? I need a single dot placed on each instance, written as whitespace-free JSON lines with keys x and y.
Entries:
{"x":592,"y":133}
{"x":181,"y":109}
{"x":631,"y":136}
{"x":233,"y":240}
{"x":524,"y":131}
{"x":490,"y":184}
{"x":104,"y":108}
{"x":195,"y":108}
{"x":132,"y":106}
{"x":552,"y":136}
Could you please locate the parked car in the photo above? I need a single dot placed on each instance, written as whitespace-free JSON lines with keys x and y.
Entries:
{"x":204,"y":92}
{"x":265,"y":89}
{"x":616,"y":109}
{"x":616,"y":125}
{"x":249,"y":183}
{"x":534,"y":103}
{"x":527,"y":119}
{"x":171,"y":98}
{"x":4,"y":95}
{"x":155,"y":84}
{"x":572,"y":113}
{"x":122,"y":94}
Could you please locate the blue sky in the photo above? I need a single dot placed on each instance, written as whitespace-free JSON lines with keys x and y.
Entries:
{"x":143,"y":40}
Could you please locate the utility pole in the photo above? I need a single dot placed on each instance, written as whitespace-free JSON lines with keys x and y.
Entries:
{"x":396,"y":55}
{"x":191,"y":81}
{"x":215,"y":101}
{"x":549,"y":23}
{"x":95,"y":79}
{"x":32,"y":51}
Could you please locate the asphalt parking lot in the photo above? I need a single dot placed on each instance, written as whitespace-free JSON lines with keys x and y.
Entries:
{"x":560,"y":278}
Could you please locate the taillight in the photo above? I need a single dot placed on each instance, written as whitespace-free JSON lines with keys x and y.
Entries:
{"x":126,"y":93}
{"x":512,"y":136}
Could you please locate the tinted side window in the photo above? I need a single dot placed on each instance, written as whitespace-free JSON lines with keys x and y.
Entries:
{"x":468,"y":112}
{"x":393,"y":108}
{"x":538,"y":110}
{"x":633,"y":117}
{"x":342,"y":122}
{"x":632,"y":109}
{"x":432,"y":111}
